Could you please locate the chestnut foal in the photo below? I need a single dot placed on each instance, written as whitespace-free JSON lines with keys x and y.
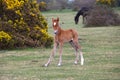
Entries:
{"x":62,"y":36}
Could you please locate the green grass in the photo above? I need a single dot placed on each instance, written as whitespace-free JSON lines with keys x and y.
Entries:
{"x":101,"y":48}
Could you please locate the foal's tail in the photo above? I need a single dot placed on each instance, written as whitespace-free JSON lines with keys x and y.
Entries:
{"x":75,"y":39}
{"x":75,"y":35}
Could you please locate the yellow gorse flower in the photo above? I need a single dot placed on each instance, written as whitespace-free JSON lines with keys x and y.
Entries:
{"x":18,"y":12}
{"x":109,"y":2}
{"x":28,"y":29}
{"x":44,"y":31}
{"x":4,"y":35}
{"x":11,"y":4}
{"x":37,"y":27}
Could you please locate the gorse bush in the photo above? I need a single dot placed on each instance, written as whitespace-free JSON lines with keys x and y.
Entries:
{"x":5,"y":39}
{"x":42,"y":6}
{"x":106,"y":2}
{"x":4,"y":35}
{"x":22,"y":25}
{"x":111,"y":3}
{"x":101,"y":15}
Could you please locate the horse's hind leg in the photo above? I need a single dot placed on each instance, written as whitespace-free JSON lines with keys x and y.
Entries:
{"x":76,"y":51}
{"x":81,"y":56}
{"x":73,"y":45}
{"x":77,"y":55}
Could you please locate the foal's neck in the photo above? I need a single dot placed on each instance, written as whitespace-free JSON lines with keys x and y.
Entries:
{"x":59,"y":30}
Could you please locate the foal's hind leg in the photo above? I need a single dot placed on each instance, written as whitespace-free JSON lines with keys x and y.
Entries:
{"x":80,"y":54}
{"x":76,"y":51}
{"x":81,"y":57}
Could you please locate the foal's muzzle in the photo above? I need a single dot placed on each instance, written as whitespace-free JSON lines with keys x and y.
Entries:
{"x":55,"y":32}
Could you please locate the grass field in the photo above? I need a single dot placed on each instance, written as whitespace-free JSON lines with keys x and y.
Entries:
{"x":101,"y":48}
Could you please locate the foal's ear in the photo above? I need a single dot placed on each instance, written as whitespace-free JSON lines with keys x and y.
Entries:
{"x":52,"y":19}
{"x":57,"y":18}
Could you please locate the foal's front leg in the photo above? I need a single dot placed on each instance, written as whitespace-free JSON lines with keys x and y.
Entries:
{"x":52,"y":54}
{"x":60,"y":54}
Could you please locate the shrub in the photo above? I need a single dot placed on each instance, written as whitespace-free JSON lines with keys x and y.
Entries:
{"x":42,"y":6}
{"x":102,"y":16}
{"x":5,"y":39}
{"x":23,"y":22}
{"x":106,"y":2}
{"x":117,"y":2}
{"x":77,"y":4}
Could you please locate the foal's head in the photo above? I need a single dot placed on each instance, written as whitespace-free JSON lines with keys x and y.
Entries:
{"x":55,"y":23}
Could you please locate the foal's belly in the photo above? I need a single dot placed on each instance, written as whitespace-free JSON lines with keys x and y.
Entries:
{"x":67,"y":39}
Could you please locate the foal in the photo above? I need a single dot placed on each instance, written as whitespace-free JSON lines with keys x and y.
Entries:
{"x":62,"y":36}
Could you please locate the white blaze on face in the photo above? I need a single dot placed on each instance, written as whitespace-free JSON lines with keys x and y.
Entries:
{"x":54,"y":23}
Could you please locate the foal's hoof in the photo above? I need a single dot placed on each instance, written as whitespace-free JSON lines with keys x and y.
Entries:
{"x":59,"y":65}
{"x":45,"y":65}
{"x":75,"y":62}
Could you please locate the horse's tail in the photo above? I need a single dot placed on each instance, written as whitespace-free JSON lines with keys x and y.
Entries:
{"x":75,"y":39}
{"x":74,"y":34}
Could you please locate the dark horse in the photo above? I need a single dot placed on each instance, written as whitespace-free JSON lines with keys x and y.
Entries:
{"x":83,"y":12}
